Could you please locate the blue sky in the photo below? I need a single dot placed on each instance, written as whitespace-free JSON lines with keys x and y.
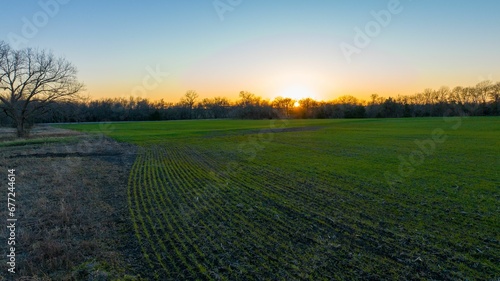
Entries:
{"x":267,"y":47}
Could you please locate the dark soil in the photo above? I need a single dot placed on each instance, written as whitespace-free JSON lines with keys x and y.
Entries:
{"x":72,"y":210}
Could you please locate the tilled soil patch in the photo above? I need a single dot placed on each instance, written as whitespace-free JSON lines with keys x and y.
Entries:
{"x":72,"y":210}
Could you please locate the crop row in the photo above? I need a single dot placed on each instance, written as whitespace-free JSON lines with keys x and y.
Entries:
{"x":208,"y":213}
{"x":390,"y":228}
{"x":192,"y":221}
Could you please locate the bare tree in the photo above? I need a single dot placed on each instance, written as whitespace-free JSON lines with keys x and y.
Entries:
{"x":495,"y":98}
{"x":30,"y":80}
{"x":495,"y":93}
{"x":216,"y":107}
{"x":483,"y":91}
{"x":189,"y":100}
{"x":289,"y":104}
{"x":307,"y":105}
{"x":249,"y":99}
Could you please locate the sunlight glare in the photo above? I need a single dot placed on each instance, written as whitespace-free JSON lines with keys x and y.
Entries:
{"x":297,"y":92}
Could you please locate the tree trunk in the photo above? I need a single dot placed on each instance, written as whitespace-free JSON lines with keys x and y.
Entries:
{"x":21,"y":129}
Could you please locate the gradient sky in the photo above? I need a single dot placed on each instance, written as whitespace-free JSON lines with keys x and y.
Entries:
{"x":268,"y":47}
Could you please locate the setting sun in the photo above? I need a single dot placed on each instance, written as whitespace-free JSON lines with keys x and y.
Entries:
{"x":297,"y":92}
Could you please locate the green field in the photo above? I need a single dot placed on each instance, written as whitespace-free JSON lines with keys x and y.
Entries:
{"x":363,"y":199}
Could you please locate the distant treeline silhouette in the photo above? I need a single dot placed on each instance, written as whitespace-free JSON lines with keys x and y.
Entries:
{"x":480,"y":100}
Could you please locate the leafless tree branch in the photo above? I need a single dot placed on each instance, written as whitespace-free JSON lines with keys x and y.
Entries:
{"x":30,"y":80}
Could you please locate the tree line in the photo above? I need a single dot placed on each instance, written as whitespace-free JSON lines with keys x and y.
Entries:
{"x":480,"y":100}
{"x":37,"y":87}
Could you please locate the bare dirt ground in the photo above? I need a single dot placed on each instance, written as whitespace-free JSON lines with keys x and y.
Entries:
{"x":71,"y":205}
{"x":42,"y":131}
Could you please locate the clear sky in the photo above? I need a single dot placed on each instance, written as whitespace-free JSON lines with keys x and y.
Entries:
{"x":317,"y":48}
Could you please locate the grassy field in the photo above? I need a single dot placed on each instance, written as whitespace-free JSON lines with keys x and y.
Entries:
{"x":316,"y":199}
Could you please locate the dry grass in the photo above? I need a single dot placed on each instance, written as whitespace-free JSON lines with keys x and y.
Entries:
{"x":40,"y":131}
{"x":71,"y":209}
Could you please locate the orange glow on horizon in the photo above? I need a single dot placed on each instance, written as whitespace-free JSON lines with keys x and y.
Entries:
{"x":173,"y":91}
